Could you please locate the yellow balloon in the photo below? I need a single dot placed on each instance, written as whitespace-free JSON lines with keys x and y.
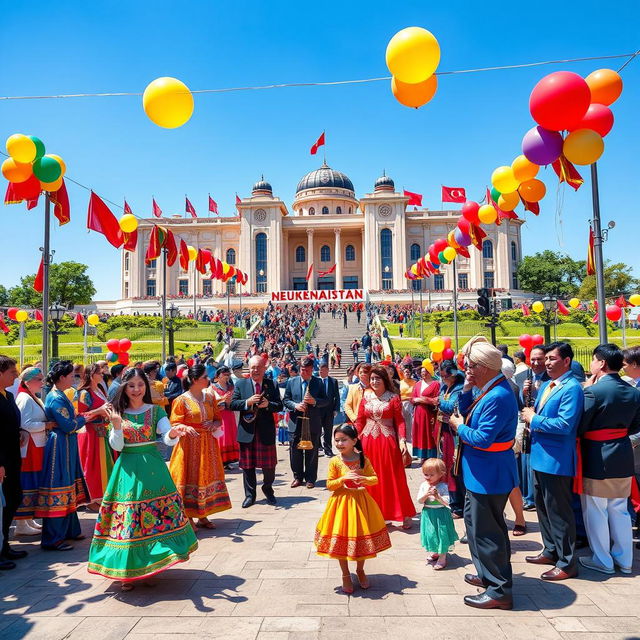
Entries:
{"x":52,"y":187}
{"x":414,"y":269}
{"x":413,"y":55}
{"x":533,"y":190}
{"x":128,"y":223}
{"x":436,"y":344}
{"x":168,"y":102}
{"x":504,"y":180}
{"x":16,"y":171}
{"x":574,"y":303}
{"x":524,"y":169}
{"x":583,"y":146}
{"x":193,"y":253}
{"x":634,"y":299}
{"x":21,"y":148}
{"x":449,"y":253}
{"x":22,"y":315}
{"x":414,"y":95}
{"x":63,"y":166}
{"x":487,"y":214}
{"x":509,"y":201}
{"x":93,"y":320}
{"x":537,"y":306}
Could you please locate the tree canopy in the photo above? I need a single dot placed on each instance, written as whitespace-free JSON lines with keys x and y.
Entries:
{"x":618,"y":279}
{"x":549,"y":272}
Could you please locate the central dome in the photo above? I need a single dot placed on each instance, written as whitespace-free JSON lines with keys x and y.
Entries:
{"x":325,"y":176}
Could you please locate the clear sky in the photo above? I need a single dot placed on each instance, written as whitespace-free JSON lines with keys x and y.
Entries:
{"x":474,"y":123}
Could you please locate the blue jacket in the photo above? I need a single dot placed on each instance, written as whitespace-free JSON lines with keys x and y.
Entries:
{"x":494,"y":419}
{"x":553,"y":428}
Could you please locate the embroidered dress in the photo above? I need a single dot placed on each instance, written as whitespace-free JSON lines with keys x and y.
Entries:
{"x":380,"y":424}
{"x":424,"y":421}
{"x":96,"y":456}
{"x":229,"y":447}
{"x":437,"y":532}
{"x":141,"y":529}
{"x":352,"y":526}
{"x":196,"y":465}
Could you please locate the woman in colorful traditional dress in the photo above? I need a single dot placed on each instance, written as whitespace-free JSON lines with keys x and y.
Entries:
{"x":62,"y":486}
{"x":33,"y":425}
{"x":425,"y":398}
{"x":222,"y":390}
{"x":141,"y":529}
{"x":196,"y":464}
{"x":383,"y":436}
{"x":96,"y":456}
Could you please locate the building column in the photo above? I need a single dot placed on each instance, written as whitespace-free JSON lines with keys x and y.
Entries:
{"x":312,"y":281}
{"x":285,"y":275}
{"x":338,"y":257}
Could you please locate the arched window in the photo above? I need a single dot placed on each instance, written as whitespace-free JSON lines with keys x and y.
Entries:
{"x":325,"y":253}
{"x":349,"y":253}
{"x":338,"y":210}
{"x":325,"y":211}
{"x":312,"y":211}
{"x":386,"y":258}
{"x":231,"y":256}
{"x":301,"y":254}
{"x":487,"y":250}
{"x":350,"y":210}
{"x":514,"y":252}
{"x":261,"y":263}
{"x":126,"y":261}
{"x":415,"y":251}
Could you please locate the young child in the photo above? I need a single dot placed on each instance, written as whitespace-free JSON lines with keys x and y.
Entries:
{"x":437,"y":532}
{"x":352,"y":526}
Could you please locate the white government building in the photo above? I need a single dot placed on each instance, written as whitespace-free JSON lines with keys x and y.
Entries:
{"x":371,"y":240}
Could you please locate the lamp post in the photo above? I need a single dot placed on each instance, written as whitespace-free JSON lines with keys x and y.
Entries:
{"x":174,"y":312}
{"x":550,"y":303}
{"x":56,"y":313}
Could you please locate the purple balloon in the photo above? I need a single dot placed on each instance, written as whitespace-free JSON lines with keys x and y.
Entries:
{"x":462,"y":238}
{"x":542,"y":146}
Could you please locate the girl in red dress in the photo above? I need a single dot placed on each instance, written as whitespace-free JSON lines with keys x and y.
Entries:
{"x":383,"y":436}
{"x":425,"y":399}
{"x":222,"y":390}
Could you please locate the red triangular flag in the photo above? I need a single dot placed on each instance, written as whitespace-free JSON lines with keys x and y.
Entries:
{"x":79,"y":320}
{"x":525,"y":310}
{"x":317,"y":144}
{"x":184,"y":255}
{"x":3,"y":326}
{"x":37,"y":315}
{"x":622,"y":302}
{"x":562,"y":310}
{"x":60,"y":199}
{"x":38,"y":283}
{"x":157,"y":211}
{"x":188,"y":207}
{"x":453,"y":194}
{"x":171,"y":247}
{"x":414,"y":198}
{"x":309,"y":272}
{"x":321,"y":274}
{"x":156,"y":242}
{"x":238,"y":201}
{"x":127,"y":208}
{"x":463,"y":251}
{"x":213,"y":205}
{"x":100,"y":219}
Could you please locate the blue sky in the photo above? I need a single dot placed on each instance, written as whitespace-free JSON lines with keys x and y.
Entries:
{"x":474,"y":123}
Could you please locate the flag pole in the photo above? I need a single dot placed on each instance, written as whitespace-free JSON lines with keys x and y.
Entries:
{"x":22,"y":334}
{"x":624,"y":327}
{"x":46,"y":261}
{"x":455,"y":303}
{"x":164,"y":305}
{"x":195,"y":285}
{"x":84,"y":342}
{"x":413,"y":312}
{"x":597,"y":250}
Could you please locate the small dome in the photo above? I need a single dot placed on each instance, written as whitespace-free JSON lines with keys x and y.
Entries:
{"x":324,"y":177}
{"x":384,"y":183}
{"x":262,"y":187}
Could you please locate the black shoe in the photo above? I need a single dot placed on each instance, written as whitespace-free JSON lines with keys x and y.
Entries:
{"x":269,"y":495}
{"x":248,"y":502}
{"x":483,"y":601}
{"x":529,"y":507}
{"x":6,"y":565}
{"x":10,"y":554}
{"x":464,"y":539}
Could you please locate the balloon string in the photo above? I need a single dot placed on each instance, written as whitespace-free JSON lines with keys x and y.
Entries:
{"x":631,"y":56}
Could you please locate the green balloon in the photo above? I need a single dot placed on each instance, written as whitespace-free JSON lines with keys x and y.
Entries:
{"x":495,"y":194}
{"x":47,"y":169}
{"x":442,"y":258}
{"x":40,"y":150}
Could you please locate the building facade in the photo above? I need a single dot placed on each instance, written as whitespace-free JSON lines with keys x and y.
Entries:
{"x":371,"y":240}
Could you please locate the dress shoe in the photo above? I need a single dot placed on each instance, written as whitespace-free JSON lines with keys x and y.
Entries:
{"x":6,"y":565}
{"x":269,"y":495}
{"x":474,"y":580}
{"x":296,"y":483}
{"x":310,"y":485}
{"x":529,"y":507}
{"x":625,"y":570}
{"x":483,"y":601}
{"x":247,"y":502}
{"x":590,"y":563}
{"x":10,"y":554}
{"x":556,"y":574}
{"x":464,"y":540}
{"x":540,"y":559}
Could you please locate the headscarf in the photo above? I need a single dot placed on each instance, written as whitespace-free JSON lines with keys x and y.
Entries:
{"x":29,"y":374}
{"x":480,"y":351}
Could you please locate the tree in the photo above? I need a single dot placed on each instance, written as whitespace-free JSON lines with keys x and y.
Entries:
{"x":69,"y":284}
{"x":4,"y":296}
{"x":549,"y":272}
{"x":618,"y":278}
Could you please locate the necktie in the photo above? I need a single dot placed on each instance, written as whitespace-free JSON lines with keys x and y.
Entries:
{"x":326,"y":385}
{"x":546,"y":394}
{"x":304,"y":388}
{"x":258,"y":387}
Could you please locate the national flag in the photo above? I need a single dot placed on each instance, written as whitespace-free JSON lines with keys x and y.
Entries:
{"x":127,"y":208}
{"x":309,"y":272}
{"x":184,"y":255}
{"x":562,"y":310}
{"x":156,"y":242}
{"x":566,"y":172}
{"x":157,"y":211}
{"x":525,"y":310}
{"x":61,"y":209}
{"x":213,"y":205}
{"x":100,"y":219}
{"x":591,"y":257}
{"x":3,"y":326}
{"x":189,"y":208}
{"x":130,"y":240}
{"x":203,"y":259}
{"x":79,"y":320}
{"x":318,"y":143}
{"x":172,"y":249}
{"x":238,"y":201}
{"x":414,"y":198}
{"x":321,"y":274}
{"x":38,"y":283}
{"x":453,"y":194}
{"x":622,"y":302}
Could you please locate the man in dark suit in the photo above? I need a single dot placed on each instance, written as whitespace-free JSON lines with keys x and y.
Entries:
{"x":553,"y":424}
{"x":611,"y":415}
{"x":10,"y":460}
{"x":305,"y":397}
{"x":329,"y":413}
{"x":257,"y":399}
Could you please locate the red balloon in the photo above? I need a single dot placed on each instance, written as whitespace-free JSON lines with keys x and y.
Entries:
{"x":448,"y":354}
{"x":598,"y":118}
{"x":614,"y":312}
{"x":125,"y":344}
{"x":113,"y":345}
{"x":433,"y":255}
{"x":526,"y":341}
{"x":123,"y":358}
{"x":537,"y":339}
{"x":440,"y":245}
{"x":560,"y":100}
{"x":470,"y":211}
{"x":12,"y":313}
{"x":180,"y":373}
{"x":463,"y":225}
{"x":190,"y":362}
{"x":447,"y":342}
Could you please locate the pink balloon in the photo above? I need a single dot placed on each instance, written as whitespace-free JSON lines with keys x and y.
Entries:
{"x":448,"y":354}
{"x":537,"y":339}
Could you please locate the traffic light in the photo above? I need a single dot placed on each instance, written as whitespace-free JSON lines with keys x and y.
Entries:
{"x":484,"y":305}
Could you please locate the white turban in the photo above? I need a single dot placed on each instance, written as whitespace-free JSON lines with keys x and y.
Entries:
{"x":480,"y":351}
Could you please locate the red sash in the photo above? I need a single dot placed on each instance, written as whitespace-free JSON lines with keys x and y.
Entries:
{"x":599,"y":435}
{"x":496,"y":446}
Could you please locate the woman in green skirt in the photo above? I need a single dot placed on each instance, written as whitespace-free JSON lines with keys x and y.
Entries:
{"x":141,"y":528}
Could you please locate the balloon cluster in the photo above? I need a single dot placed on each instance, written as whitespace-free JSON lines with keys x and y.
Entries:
{"x":527,"y":342}
{"x":167,"y":102}
{"x":29,"y":168}
{"x":118,"y":350}
{"x":441,"y":349}
{"x":412,"y":56}
{"x":18,"y":315}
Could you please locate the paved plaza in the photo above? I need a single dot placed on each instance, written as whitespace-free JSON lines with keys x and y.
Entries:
{"x":256,"y":577}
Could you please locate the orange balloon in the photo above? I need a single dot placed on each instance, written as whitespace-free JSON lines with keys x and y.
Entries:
{"x":16,"y":171}
{"x":509,"y":201}
{"x":532,"y":190}
{"x":52,"y":187}
{"x":436,"y":357}
{"x":605,"y":85}
{"x":414,"y":95}
{"x":524,"y":169}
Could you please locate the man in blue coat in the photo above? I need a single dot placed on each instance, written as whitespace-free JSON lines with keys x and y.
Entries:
{"x":488,"y":469}
{"x":553,"y":422}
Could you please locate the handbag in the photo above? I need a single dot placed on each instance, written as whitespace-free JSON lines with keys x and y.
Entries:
{"x":406,"y":458}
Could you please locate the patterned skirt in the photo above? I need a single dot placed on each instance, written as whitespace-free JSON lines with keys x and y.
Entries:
{"x":141,"y":529}
{"x":255,"y":455}
{"x":30,"y":480}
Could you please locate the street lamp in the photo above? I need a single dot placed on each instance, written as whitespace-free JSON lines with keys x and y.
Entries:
{"x":56,"y":313}
{"x":174,"y":312}
{"x":550,"y":304}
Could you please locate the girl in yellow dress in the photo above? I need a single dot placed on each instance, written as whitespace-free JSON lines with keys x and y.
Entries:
{"x":352,"y":526}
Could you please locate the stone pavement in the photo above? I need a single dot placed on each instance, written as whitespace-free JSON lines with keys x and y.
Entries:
{"x":257,"y":577}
